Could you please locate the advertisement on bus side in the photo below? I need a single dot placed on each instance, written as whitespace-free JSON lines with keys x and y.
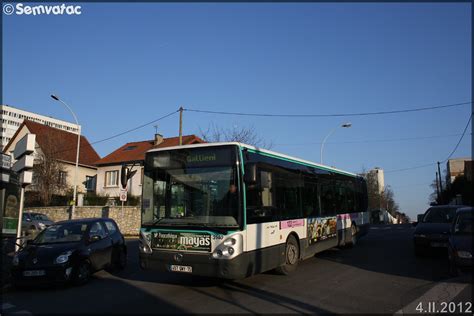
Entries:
{"x":321,"y":228}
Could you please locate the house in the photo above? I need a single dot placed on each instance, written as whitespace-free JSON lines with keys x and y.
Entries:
{"x":60,"y":145}
{"x":131,"y":154}
{"x":456,"y":167}
{"x":11,"y":119}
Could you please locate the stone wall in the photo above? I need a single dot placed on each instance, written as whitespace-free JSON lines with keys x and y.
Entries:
{"x":128,"y":220}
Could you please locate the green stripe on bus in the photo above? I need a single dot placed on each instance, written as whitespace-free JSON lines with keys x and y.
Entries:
{"x":244,"y":189}
{"x":185,"y":231}
{"x":299,"y":162}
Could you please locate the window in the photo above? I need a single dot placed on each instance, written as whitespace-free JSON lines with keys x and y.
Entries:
{"x":328,"y":198}
{"x":97,"y":229}
{"x":90,"y":183}
{"x":129,"y":148}
{"x":111,"y":227}
{"x":62,"y":178}
{"x":310,"y":197}
{"x":111,"y":178}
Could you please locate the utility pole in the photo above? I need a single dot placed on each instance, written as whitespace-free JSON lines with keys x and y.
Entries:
{"x":181,"y":126}
{"x":440,"y":185}
{"x":437,"y":185}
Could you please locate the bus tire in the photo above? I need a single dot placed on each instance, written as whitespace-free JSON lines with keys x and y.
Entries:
{"x":292,"y":256}
{"x":353,"y":241}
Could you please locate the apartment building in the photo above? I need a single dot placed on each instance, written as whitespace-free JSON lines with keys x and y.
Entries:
{"x":11,"y":118}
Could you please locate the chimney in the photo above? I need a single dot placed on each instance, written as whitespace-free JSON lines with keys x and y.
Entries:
{"x":158,"y":139}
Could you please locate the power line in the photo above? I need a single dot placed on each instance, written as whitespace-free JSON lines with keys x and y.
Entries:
{"x":123,"y":133}
{"x":460,"y":139}
{"x":411,"y":168}
{"x":434,"y":163}
{"x":135,"y":128}
{"x":372,"y":140}
{"x":329,"y":115}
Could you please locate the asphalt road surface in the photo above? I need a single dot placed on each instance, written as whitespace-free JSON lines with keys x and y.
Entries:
{"x":379,"y":275}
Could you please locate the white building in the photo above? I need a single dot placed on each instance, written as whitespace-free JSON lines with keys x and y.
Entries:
{"x":11,"y":119}
{"x":378,"y":176}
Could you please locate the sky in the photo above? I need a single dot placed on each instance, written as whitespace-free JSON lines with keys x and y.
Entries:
{"x":121,"y":65}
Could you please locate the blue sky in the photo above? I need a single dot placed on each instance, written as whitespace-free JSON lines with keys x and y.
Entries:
{"x":121,"y":65}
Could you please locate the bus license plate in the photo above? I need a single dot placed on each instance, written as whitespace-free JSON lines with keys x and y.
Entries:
{"x":176,"y":268}
{"x":439,"y":244}
{"x":33,"y":273}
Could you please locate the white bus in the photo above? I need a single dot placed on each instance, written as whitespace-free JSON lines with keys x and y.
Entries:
{"x":231,"y":210}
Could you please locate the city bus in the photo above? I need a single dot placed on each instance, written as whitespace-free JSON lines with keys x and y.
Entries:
{"x":230,"y":210}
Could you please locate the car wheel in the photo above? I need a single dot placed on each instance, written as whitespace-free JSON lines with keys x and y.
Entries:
{"x":83,"y":273}
{"x":453,"y":269}
{"x":292,"y":257}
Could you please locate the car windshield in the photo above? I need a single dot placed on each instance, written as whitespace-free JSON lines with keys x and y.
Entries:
{"x":463,"y":224}
{"x":39,"y":217}
{"x":71,"y":232}
{"x":439,"y":215}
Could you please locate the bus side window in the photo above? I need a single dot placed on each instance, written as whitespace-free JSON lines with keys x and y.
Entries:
{"x":328,"y":199}
{"x":310,"y":197}
{"x":266,"y":185}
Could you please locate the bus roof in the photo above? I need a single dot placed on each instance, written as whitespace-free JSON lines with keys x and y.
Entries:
{"x":260,"y":151}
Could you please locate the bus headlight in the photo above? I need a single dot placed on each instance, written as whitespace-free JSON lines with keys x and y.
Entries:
{"x":144,"y":245}
{"x":230,"y":242}
{"x":231,"y":247}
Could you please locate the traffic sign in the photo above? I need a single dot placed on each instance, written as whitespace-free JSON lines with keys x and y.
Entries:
{"x":123,"y":195}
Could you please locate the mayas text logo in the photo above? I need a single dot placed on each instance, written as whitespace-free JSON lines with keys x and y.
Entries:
{"x":195,"y":241}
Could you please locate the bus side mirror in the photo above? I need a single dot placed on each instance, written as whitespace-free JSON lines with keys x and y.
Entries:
{"x":250,"y":176}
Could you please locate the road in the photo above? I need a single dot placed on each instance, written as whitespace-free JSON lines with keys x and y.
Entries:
{"x":379,"y":275}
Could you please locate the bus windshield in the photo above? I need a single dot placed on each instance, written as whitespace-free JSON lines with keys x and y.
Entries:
{"x":192,"y":187}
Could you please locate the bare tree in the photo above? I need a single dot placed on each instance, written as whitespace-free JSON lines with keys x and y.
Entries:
{"x":246,"y":135}
{"x":49,"y":175}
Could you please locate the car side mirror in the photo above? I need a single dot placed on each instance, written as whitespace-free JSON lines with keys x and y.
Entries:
{"x":420,"y":217}
{"x":250,"y":176}
{"x":95,"y":238}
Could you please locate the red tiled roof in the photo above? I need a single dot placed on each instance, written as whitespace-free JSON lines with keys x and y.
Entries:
{"x":135,"y":151}
{"x":64,"y":144}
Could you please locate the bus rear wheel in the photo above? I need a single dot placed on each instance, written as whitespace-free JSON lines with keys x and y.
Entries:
{"x":292,"y":257}
{"x":353,"y":235}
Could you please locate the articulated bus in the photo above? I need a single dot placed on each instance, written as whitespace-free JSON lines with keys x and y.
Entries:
{"x":230,"y":210}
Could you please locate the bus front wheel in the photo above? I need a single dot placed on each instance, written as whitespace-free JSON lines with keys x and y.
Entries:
{"x":292,"y":256}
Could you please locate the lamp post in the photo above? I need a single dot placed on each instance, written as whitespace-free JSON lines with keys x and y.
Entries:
{"x":345,"y":125}
{"x":55,"y":97}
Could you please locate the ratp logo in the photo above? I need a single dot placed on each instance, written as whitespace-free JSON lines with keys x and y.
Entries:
{"x":62,"y":9}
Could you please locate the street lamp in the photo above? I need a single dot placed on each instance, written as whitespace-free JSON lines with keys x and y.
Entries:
{"x":55,"y":97}
{"x":345,"y":125}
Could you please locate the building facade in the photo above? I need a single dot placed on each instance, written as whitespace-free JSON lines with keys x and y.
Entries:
{"x":61,"y":146}
{"x":11,"y":119}
{"x":131,"y":154}
{"x":378,"y":175}
{"x":457,"y":167}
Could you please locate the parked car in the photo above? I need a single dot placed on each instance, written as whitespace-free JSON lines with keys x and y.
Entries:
{"x":32,"y":223}
{"x":460,"y":241}
{"x":432,"y":229}
{"x":70,"y":251}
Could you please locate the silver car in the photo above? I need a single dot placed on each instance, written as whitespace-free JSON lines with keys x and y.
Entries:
{"x":33,"y":223}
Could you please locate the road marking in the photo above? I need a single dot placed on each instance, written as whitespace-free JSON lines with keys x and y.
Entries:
{"x":442,"y":292}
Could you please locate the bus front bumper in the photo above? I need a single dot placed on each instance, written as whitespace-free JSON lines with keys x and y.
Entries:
{"x":201,"y":264}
